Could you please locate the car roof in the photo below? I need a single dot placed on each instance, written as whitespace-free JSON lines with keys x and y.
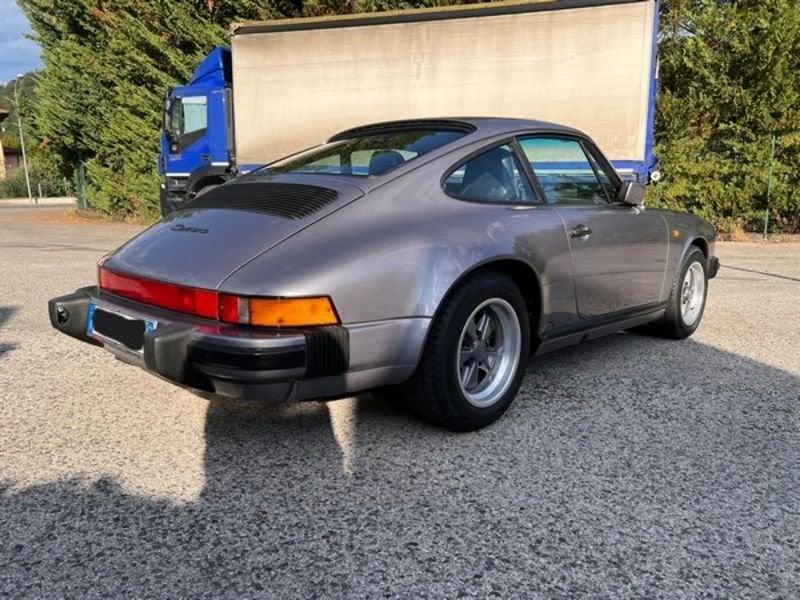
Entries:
{"x":483,"y":126}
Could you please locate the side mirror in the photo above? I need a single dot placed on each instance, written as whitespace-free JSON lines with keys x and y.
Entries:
{"x":631,"y":193}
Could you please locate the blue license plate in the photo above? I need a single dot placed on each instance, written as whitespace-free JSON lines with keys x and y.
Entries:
{"x":118,"y":328}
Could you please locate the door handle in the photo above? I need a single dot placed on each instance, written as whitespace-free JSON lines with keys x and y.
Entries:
{"x":580,"y":231}
{"x":205,"y":157}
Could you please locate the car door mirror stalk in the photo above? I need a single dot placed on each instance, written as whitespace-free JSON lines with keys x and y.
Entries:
{"x":631,"y":193}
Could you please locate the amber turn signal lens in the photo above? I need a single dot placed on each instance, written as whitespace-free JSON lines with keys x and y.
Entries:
{"x":292,"y":312}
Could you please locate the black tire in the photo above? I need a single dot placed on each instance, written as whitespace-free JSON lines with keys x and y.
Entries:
{"x":434,"y":392}
{"x":672,"y":324}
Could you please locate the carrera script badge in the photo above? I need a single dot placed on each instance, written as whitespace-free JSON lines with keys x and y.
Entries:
{"x":185,"y":229}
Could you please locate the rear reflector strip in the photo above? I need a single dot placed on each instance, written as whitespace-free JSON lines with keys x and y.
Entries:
{"x":191,"y":301}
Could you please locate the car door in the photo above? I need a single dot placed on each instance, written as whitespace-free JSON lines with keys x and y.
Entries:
{"x":619,"y":252}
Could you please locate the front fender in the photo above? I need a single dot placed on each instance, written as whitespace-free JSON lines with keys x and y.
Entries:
{"x":685,"y":230}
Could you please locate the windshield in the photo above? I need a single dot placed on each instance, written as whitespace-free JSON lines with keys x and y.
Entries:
{"x":365,"y":155}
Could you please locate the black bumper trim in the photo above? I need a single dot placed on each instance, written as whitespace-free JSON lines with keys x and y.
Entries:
{"x":327,"y":351}
{"x":252,"y":361}
{"x":166,"y":352}
{"x":68,"y":314}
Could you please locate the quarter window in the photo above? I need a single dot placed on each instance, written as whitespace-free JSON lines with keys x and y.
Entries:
{"x":564,"y":171}
{"x":494,"y":176}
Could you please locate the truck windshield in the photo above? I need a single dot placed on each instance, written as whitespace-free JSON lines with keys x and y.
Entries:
{"x":365,"y":155}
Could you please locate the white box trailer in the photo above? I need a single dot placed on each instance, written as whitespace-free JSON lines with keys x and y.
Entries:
{"x":585,"y":63}
{"x":289,"y":84}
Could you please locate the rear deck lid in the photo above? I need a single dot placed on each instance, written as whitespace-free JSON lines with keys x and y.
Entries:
{"x":220,"y":231}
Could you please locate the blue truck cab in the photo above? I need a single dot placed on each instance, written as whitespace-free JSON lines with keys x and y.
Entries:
{"x":197,"y":144}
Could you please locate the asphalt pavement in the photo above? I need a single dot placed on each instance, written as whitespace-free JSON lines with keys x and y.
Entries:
{"x":627,"y":467}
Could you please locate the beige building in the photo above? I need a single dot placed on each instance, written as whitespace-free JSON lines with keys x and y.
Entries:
{"x":9,"y":157}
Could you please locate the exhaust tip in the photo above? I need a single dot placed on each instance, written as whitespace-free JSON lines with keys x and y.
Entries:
{"x":62,"y":314}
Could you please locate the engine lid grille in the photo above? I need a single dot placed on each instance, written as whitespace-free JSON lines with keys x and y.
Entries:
{"x":288,"y":200}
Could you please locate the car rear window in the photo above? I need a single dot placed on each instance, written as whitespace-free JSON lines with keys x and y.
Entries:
{"x":366,"y":155}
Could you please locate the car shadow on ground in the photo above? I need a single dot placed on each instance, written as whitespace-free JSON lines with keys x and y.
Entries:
{"x":626,"y":466}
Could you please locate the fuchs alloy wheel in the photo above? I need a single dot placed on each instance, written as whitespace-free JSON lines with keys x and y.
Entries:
{"x":687,"y":298}
{"x":474,"y":360}
{"x":693,"y":294}
{"x":488,"y":352}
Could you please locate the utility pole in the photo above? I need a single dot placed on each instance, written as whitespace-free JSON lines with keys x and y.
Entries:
{"x":22,"y":139}
{"x":769,"y":185}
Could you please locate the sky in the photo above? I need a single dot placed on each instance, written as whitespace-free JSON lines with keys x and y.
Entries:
{"x":17,"y":53}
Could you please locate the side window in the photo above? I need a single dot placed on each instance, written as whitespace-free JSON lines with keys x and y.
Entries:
{"x":564,"y":171}
{"x":187,"y":119}
{"x":494,"y":176}
{"x":195,"y":115}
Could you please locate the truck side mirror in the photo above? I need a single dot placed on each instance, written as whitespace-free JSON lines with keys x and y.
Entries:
{"x":631,"y":193}
{"x":172,"y":119}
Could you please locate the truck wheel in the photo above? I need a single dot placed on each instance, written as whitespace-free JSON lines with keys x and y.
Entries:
{"x":475,"y":357}
{"x":687,"y":300}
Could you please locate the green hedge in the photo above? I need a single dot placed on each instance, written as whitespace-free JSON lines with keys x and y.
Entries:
{"x":730,"y":82}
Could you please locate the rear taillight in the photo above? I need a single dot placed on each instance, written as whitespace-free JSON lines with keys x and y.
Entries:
{"x":228,"y":308}
{"x":278,"y":312}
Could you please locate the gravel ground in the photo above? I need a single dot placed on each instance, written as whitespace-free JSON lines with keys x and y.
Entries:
{"x":628,"y":467}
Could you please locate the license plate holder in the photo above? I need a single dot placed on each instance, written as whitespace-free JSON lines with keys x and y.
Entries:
{"x":117,"y":328}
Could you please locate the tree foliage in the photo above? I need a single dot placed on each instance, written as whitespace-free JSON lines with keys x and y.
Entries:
{"x":26,"y":96}
{"x":729,"y":82}
{"x":42,"y":162}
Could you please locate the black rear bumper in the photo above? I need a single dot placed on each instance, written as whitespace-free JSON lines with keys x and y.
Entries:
{"x":194,"y":355}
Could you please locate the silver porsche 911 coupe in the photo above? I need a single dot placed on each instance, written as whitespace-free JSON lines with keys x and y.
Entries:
{"x":429,"y":258}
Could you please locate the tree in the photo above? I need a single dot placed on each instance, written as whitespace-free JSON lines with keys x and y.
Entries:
{"x":25,"y":91}
{"x":729,"y":82}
